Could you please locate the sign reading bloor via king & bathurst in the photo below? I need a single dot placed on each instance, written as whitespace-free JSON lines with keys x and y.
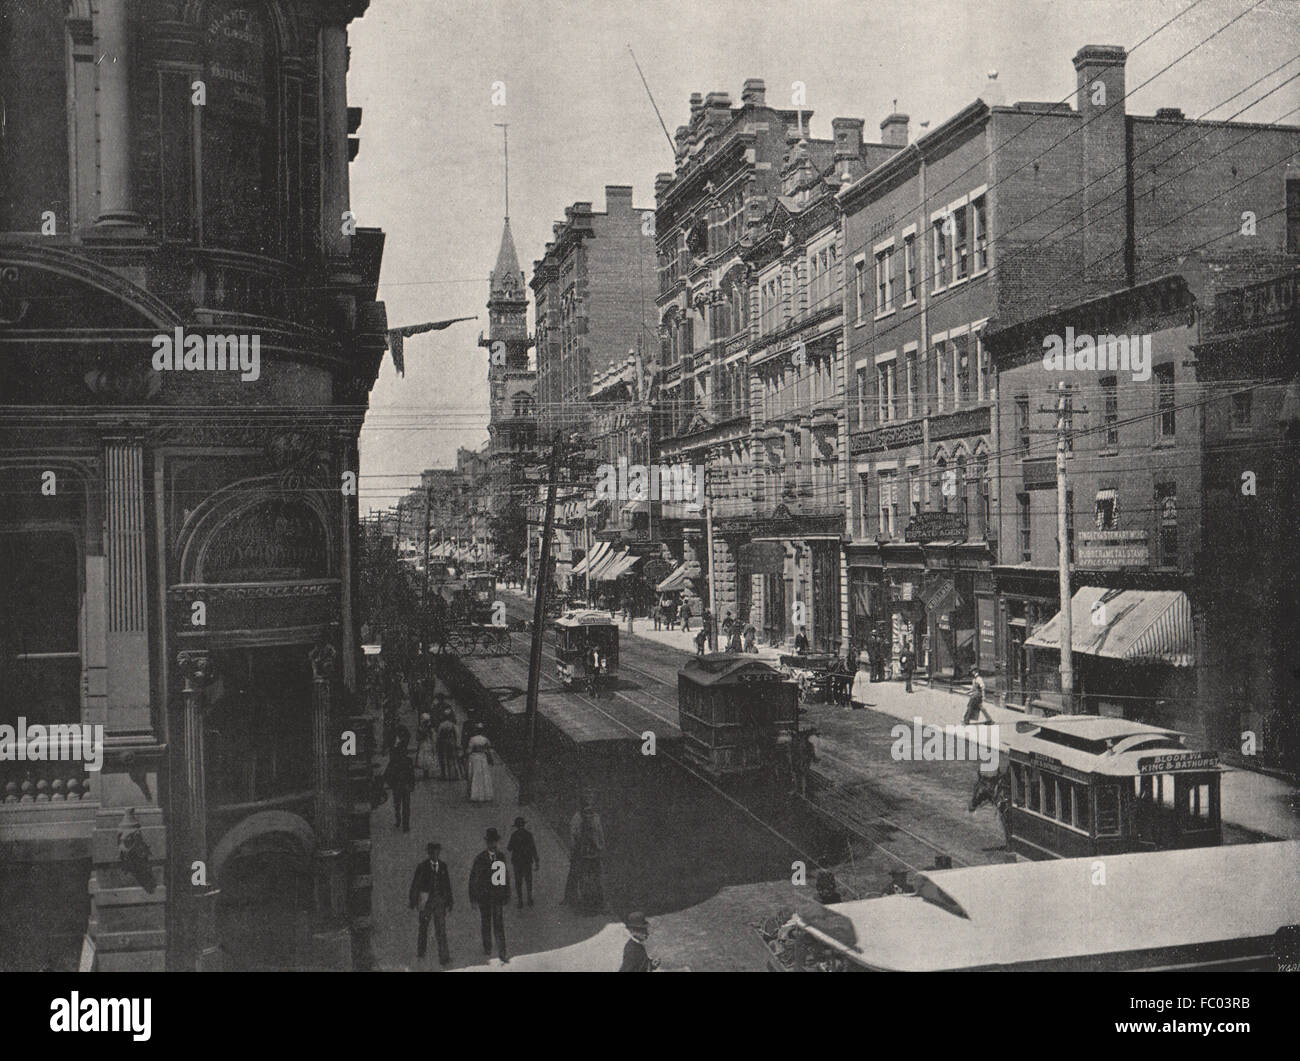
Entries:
{"x":1189,"y":760}
{"x":1113,"y":549}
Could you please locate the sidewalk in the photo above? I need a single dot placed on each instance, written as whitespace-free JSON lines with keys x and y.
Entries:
{"x":440,"y":812}
{"x":1250,"y":800}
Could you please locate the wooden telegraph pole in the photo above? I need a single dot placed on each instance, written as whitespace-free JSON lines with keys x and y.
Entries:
{"x":539,"y":620}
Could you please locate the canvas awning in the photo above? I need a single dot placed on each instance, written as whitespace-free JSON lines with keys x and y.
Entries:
{"x":1138,"y":626}
{"x":600,"y":571}
{"x":591,"y":559}
{"x":618,"y":568}
{"x":677,"y":580}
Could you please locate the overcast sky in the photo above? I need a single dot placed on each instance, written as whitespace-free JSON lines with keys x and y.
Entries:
{"x":430,"y":168}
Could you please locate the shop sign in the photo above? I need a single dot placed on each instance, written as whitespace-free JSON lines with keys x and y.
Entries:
{"x":1257,"y":305}
{"x":935,"y":526}
{"x":1113,"y":549}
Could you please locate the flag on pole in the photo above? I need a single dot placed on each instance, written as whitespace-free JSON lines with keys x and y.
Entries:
{"x":397,"y":338}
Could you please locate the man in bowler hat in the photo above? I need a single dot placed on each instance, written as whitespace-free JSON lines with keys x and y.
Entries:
{"x":635,"y":958}
{"x":489,"y":890}
{"x":432,"y":883}
{"x":523,"y":857}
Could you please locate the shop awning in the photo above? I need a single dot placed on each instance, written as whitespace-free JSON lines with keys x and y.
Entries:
{"x":591,"y":559}
{"x":601,"y":572}
{"x":1139,"y":626}
{"x":679,"y":577}
{"x":620,"y":567}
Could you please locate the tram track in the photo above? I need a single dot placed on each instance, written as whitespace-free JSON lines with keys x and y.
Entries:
{"x":838,"y":808}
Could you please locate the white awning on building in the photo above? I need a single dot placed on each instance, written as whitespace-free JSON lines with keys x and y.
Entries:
{"x":1139,"y":626}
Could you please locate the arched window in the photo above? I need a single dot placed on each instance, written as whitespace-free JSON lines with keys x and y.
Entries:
{"x":240,"y":123}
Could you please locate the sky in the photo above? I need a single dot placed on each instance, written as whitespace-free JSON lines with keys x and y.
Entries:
{"x":429,"y":170}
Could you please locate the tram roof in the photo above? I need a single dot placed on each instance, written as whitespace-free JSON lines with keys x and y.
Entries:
{"x":585,"y":618}
{"x":1055,"y":911}
{"x":728,"y":668}
{"x":1115,"y":747}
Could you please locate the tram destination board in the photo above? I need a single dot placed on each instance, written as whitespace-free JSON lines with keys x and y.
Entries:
{"x":1163,"y":764}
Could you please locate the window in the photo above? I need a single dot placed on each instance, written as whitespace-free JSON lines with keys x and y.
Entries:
{"x":1033,"y":789}
{"x":885,"y":281}
{"x":1082,"y":809}
{"x":940,"y":254}
{"x":863,"y":394}
{"x":1064,"y":801}
{"x":866,"y":522}
{"x":888,"y":482}
{"x":1241,"y":411}
{"x":1166,"y":507}
{"x":982,"y":485}
{"x":913,"y":388}
{"x":960,"y":248}
{"x":1017,"y":784}
{"x":981,"y":369}
{"x":940,"y":473}
{"x":1107,"y":810}
{"x":962,"y":372}
{"x":1049,"y":794}
{"x":942,"y":369}
{"x":909,"y":270}
{"x":1164,"y":400}
{"x":1110,"y":410}
{"x":1022,"y":525}
{"x":885,"y":391}
{"x":979,"y":233}
{"x":860,"y":288}
{"x":1022,"y":425}
{"x":1107,"y":510}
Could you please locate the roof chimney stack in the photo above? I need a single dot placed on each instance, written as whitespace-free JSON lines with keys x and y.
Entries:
{"x":754,"y":94}
{"x":893,"y":130}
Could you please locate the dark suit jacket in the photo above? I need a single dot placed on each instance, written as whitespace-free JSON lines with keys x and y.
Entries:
{"x":523,"y":849}
{"x":426,"y":881}
{"x":635,"y":959}
{"x":481,"y":888}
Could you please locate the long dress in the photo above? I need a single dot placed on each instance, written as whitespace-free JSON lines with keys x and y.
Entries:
{"x":583,"y":890}
{"x":481,"y":789}
{"x":861,"y":682}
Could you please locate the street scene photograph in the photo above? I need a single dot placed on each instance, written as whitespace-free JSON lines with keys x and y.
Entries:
{"x":720,"y":486}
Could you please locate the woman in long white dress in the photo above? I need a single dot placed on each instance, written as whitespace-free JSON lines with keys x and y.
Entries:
{"x":861,"y":682}
{"x":481,"y":788}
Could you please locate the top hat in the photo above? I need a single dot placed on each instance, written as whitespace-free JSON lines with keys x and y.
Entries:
{"x":491,"y":836}
{"x":637,"y":920}
{"x":519,"y":823}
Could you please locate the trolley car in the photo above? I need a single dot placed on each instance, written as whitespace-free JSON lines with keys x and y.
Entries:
{"x":482,"y":588}
{"x":1089,"y":785}
{"x":578,"y":635}
{"x":733,"y":711}
{"x":1233,"y":907}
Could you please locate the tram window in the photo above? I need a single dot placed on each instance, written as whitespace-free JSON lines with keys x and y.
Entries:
{"x":1108,"y":810}
{"x":1165,"y":791}
{"x":1031,"y":786}
{"x":1049,"y":795}
{"x":1065,"y":802}
{"x":1197,"y":807}
{"x":1017,"y":784}
{"x":1082,"y":813}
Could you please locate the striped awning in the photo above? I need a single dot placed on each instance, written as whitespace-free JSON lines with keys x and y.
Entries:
{"x":1138,"y":626}
{"x":678,"y":579}
{"x":600,"y":570}
{"x":593,"y":558}
{"x":618,"y":568}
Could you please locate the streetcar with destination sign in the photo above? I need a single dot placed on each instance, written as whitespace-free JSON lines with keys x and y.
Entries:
{"x":735,"y":712}
{"x":579,"y":635}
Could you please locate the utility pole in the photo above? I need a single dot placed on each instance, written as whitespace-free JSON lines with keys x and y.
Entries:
{"x":424,"y":596}
{"x":1063,"y":551}
{"x":708,"y":538}
{"x":539,"y":619}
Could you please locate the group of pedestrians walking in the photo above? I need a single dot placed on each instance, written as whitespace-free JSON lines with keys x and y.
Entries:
{"x":489,"y":889}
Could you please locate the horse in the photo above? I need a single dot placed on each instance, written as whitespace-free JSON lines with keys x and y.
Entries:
{"x":994,"y":789}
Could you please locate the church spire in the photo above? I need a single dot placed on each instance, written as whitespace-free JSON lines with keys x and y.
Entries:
{"x":507,"y":277}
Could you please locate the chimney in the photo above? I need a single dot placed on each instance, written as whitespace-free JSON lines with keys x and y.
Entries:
{"x":618,"y":198}
{"x":1107,"y":246}
{"x":848,"y":137}
{"x":697,"y":106}
{"x":754,"y":94}
{"x":994,"y":94}
{"x":662,"y":182}
{"x":893,"y":130}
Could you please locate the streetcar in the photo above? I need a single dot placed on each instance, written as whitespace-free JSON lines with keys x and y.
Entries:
{"x":735,"y":711}
{"x":579,"y":634}
{"x":1234,"y":907}
{"x":482,"y":588}
{"x":1090,"y":785}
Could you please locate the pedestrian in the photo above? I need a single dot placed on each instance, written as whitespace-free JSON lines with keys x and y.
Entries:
{"x":424,"y":745}
{"x":861,"y":683}
{"x":657,"y":612}
{"x":479,"y":756}
{"x":593,"y":669}
{"x":800,"y":641}
{"x":700,"y":640}
{"x":686,"y":616}
{"x":583,"y":890}
{"x":728,"y":624}
{"x":400,"y":778}
{"x":805,"y":754}
{"x":975,"y":704}
{"x":706,"y":624}
{"x":907,"y":664}
{"x":523,"y":857}
{"x":751,"y":638}
{"x":447,"y":741}
{"x":489,"y":890}
{"x":733,"y":640}
{"x":635,"y":958}
{"x":432,"y":880}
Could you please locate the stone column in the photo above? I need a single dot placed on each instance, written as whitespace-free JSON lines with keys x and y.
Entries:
{"x":202,"y":951}
{"x":115,"y":192}
{"x":334,"y":138}
{"x":332,"y":938}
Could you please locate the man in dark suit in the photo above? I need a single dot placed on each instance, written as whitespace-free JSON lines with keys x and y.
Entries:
{"x":635,"y":958}
{"x":400,"y":776}
{"x":432,"y":881}
{"x":523,"y":857}
{"x":489,"y":890}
